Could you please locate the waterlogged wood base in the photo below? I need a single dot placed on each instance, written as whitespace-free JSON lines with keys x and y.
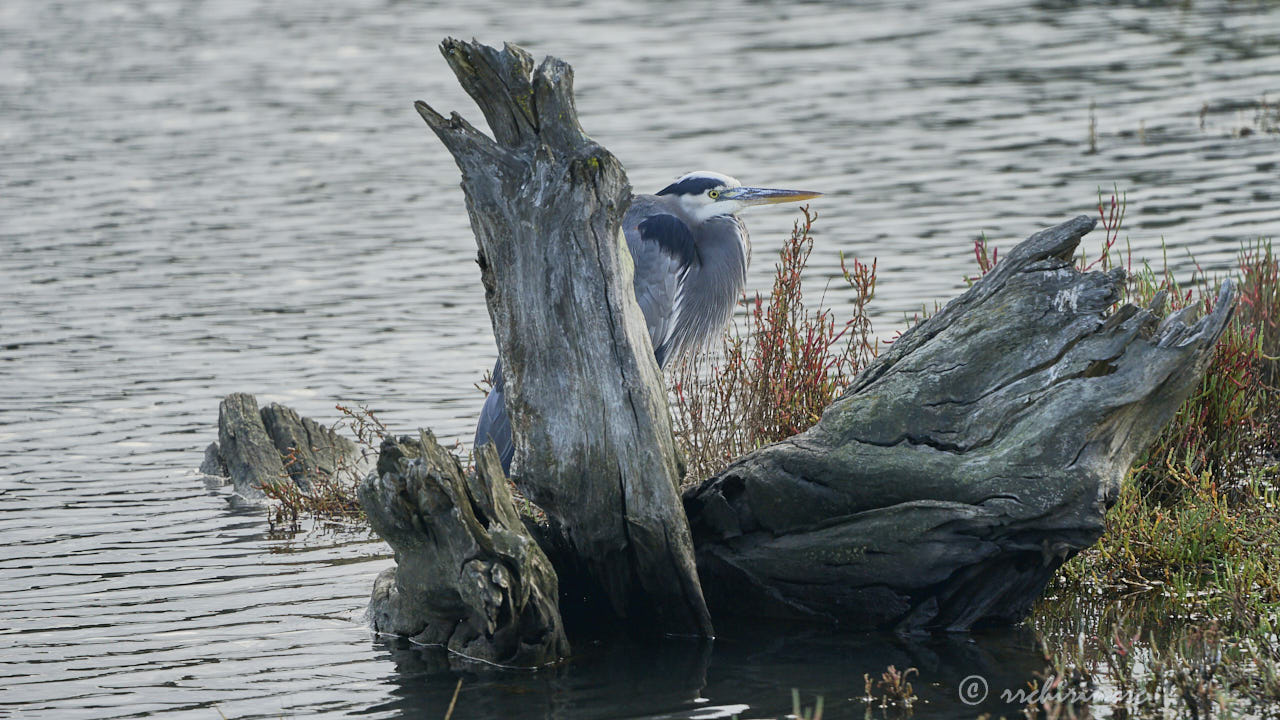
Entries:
{"x":469,"y":576}
{"x":965,"y":465}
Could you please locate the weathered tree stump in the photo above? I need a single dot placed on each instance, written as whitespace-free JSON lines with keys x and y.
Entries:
{"x":965,"y":465}
{"x":468,"y":574}
{"x":587,"y":402}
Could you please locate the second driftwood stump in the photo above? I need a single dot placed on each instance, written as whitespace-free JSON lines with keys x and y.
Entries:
{"x":468,"y":574}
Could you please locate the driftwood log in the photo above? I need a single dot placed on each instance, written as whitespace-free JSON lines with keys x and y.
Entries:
{"x":965,"y":465}
{"x":258,"y":447}
{"x":942,"y":490}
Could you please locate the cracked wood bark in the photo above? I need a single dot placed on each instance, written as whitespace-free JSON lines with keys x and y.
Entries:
{"x":468,"y":575}
{"x":964,"y":466}
{"x":587,"y":402}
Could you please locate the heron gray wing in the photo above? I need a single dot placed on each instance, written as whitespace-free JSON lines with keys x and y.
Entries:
{"x":708,"y":289}
{"x":494,"y":426}
{"x":663,"y":251}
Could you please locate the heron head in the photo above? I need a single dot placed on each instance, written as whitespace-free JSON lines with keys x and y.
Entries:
{"x":707,"y":194}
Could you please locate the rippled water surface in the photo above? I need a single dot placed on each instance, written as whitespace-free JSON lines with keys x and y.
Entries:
{"x":198,"y":198}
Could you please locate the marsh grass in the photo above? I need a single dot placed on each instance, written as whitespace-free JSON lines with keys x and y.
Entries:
{"x":1140,"y":658}
{"x":891,"y":690}
{"x":1188,"y":569}
{"x":1197,"y":520}
{"x":800,"y":712}
{"x":777,"y":368}
{"x":331,"y":497}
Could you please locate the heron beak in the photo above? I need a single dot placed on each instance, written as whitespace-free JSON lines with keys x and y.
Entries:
{"x":767,"y":196}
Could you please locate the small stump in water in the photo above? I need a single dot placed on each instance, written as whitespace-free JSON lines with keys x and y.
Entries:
{"x":468,"y":575}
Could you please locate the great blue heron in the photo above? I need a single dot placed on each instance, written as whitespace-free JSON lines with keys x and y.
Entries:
{"x":691,"y":252}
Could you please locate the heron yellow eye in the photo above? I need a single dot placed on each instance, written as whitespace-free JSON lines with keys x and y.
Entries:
{"x":713,"y":194}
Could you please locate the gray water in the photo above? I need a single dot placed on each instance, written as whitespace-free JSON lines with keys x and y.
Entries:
{"x":198,"y":198}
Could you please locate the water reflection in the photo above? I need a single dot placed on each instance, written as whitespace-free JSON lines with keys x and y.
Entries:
{"x":750,"y":674}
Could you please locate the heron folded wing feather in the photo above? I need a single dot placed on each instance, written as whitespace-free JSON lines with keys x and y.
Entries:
{"x":664,"y":251}
{"x":672,"y":235}
{"x":494,"y":425}
{"x":709,"y":289}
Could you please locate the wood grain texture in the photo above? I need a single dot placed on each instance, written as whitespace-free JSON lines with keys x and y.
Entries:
{"x":594,"y":447}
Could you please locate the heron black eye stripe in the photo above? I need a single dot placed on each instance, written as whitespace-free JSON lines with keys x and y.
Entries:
{"x":691,"y":186}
